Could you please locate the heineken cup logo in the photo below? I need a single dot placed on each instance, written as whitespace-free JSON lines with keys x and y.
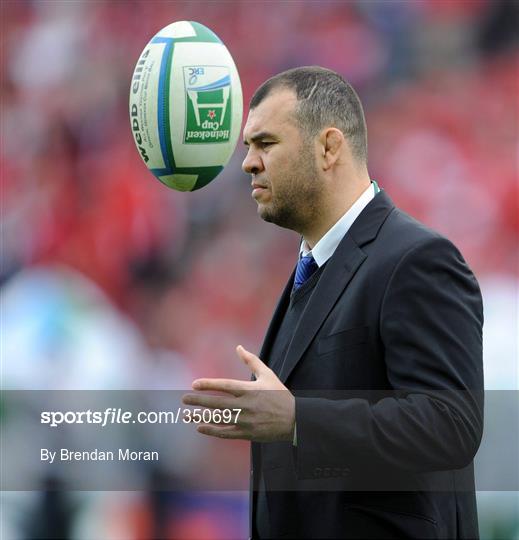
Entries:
{"x":208,"y":104}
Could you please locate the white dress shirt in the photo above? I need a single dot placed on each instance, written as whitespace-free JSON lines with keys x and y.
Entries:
{"x":327,"y":245}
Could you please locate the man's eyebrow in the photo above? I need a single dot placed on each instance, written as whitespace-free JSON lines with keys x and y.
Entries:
{"x":259,"y":136}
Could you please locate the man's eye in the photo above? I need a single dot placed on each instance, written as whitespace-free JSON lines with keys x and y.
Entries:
{"x":266,"y":143}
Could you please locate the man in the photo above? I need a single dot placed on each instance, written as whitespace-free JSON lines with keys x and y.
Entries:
{"x":366,"y":409}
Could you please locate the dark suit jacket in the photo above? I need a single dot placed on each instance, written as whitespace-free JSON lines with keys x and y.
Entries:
{"x":386,"y":367}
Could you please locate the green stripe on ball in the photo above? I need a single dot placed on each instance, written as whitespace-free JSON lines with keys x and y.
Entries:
{"x":203,"y":34}
{"x":206,"y":175}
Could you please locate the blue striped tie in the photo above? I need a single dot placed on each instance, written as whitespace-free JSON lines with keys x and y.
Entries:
{"x":306,"y":266}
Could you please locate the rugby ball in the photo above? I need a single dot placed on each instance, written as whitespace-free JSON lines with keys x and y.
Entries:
{"x":186,"y":105}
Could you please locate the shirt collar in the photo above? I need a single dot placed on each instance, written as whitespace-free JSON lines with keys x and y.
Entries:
{"x":327,"y":245}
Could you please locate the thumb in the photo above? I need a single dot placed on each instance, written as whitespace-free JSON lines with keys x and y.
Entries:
{"x":251,"y":360}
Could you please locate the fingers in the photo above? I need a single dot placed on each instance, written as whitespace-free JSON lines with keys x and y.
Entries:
{"x":230,"y":386}
{"x":251,"y":360}
{"x":209,"y":402}
{"x":233,"y":386}
{"x":222,"y":432}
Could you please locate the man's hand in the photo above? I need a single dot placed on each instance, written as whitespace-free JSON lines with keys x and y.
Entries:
{"x":267,"y":406}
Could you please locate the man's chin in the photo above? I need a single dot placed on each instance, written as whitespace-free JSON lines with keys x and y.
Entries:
{"x":265,"y":214}
{"x":277,"y":218}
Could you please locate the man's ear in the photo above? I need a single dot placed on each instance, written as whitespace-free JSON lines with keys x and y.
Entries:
{"x":331,"y":145}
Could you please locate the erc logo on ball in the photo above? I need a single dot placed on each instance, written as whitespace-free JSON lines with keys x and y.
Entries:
{"x":208,"y":104}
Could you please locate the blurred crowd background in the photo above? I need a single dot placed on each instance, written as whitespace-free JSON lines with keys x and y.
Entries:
{"x":108,"y":277}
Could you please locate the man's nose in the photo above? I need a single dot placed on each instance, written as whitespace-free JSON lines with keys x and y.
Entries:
{"x":252,"y":163}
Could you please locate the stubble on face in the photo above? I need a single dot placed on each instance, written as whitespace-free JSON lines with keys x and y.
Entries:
{"x":297,"y":193}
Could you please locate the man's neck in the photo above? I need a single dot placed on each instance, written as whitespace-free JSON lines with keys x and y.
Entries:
{"x":336,"y":208}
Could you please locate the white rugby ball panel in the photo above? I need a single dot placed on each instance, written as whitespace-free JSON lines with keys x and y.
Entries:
{"x":180,"y":29}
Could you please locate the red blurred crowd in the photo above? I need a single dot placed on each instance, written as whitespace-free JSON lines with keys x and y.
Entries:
{"x":442,"y":138}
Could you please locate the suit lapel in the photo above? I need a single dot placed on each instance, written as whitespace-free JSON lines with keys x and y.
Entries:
{"x":338,"y":272}
{"x":276,"y":320}
{"x":334,"y":279}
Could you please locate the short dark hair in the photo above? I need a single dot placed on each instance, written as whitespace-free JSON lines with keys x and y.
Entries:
{"x":324,"y":99}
